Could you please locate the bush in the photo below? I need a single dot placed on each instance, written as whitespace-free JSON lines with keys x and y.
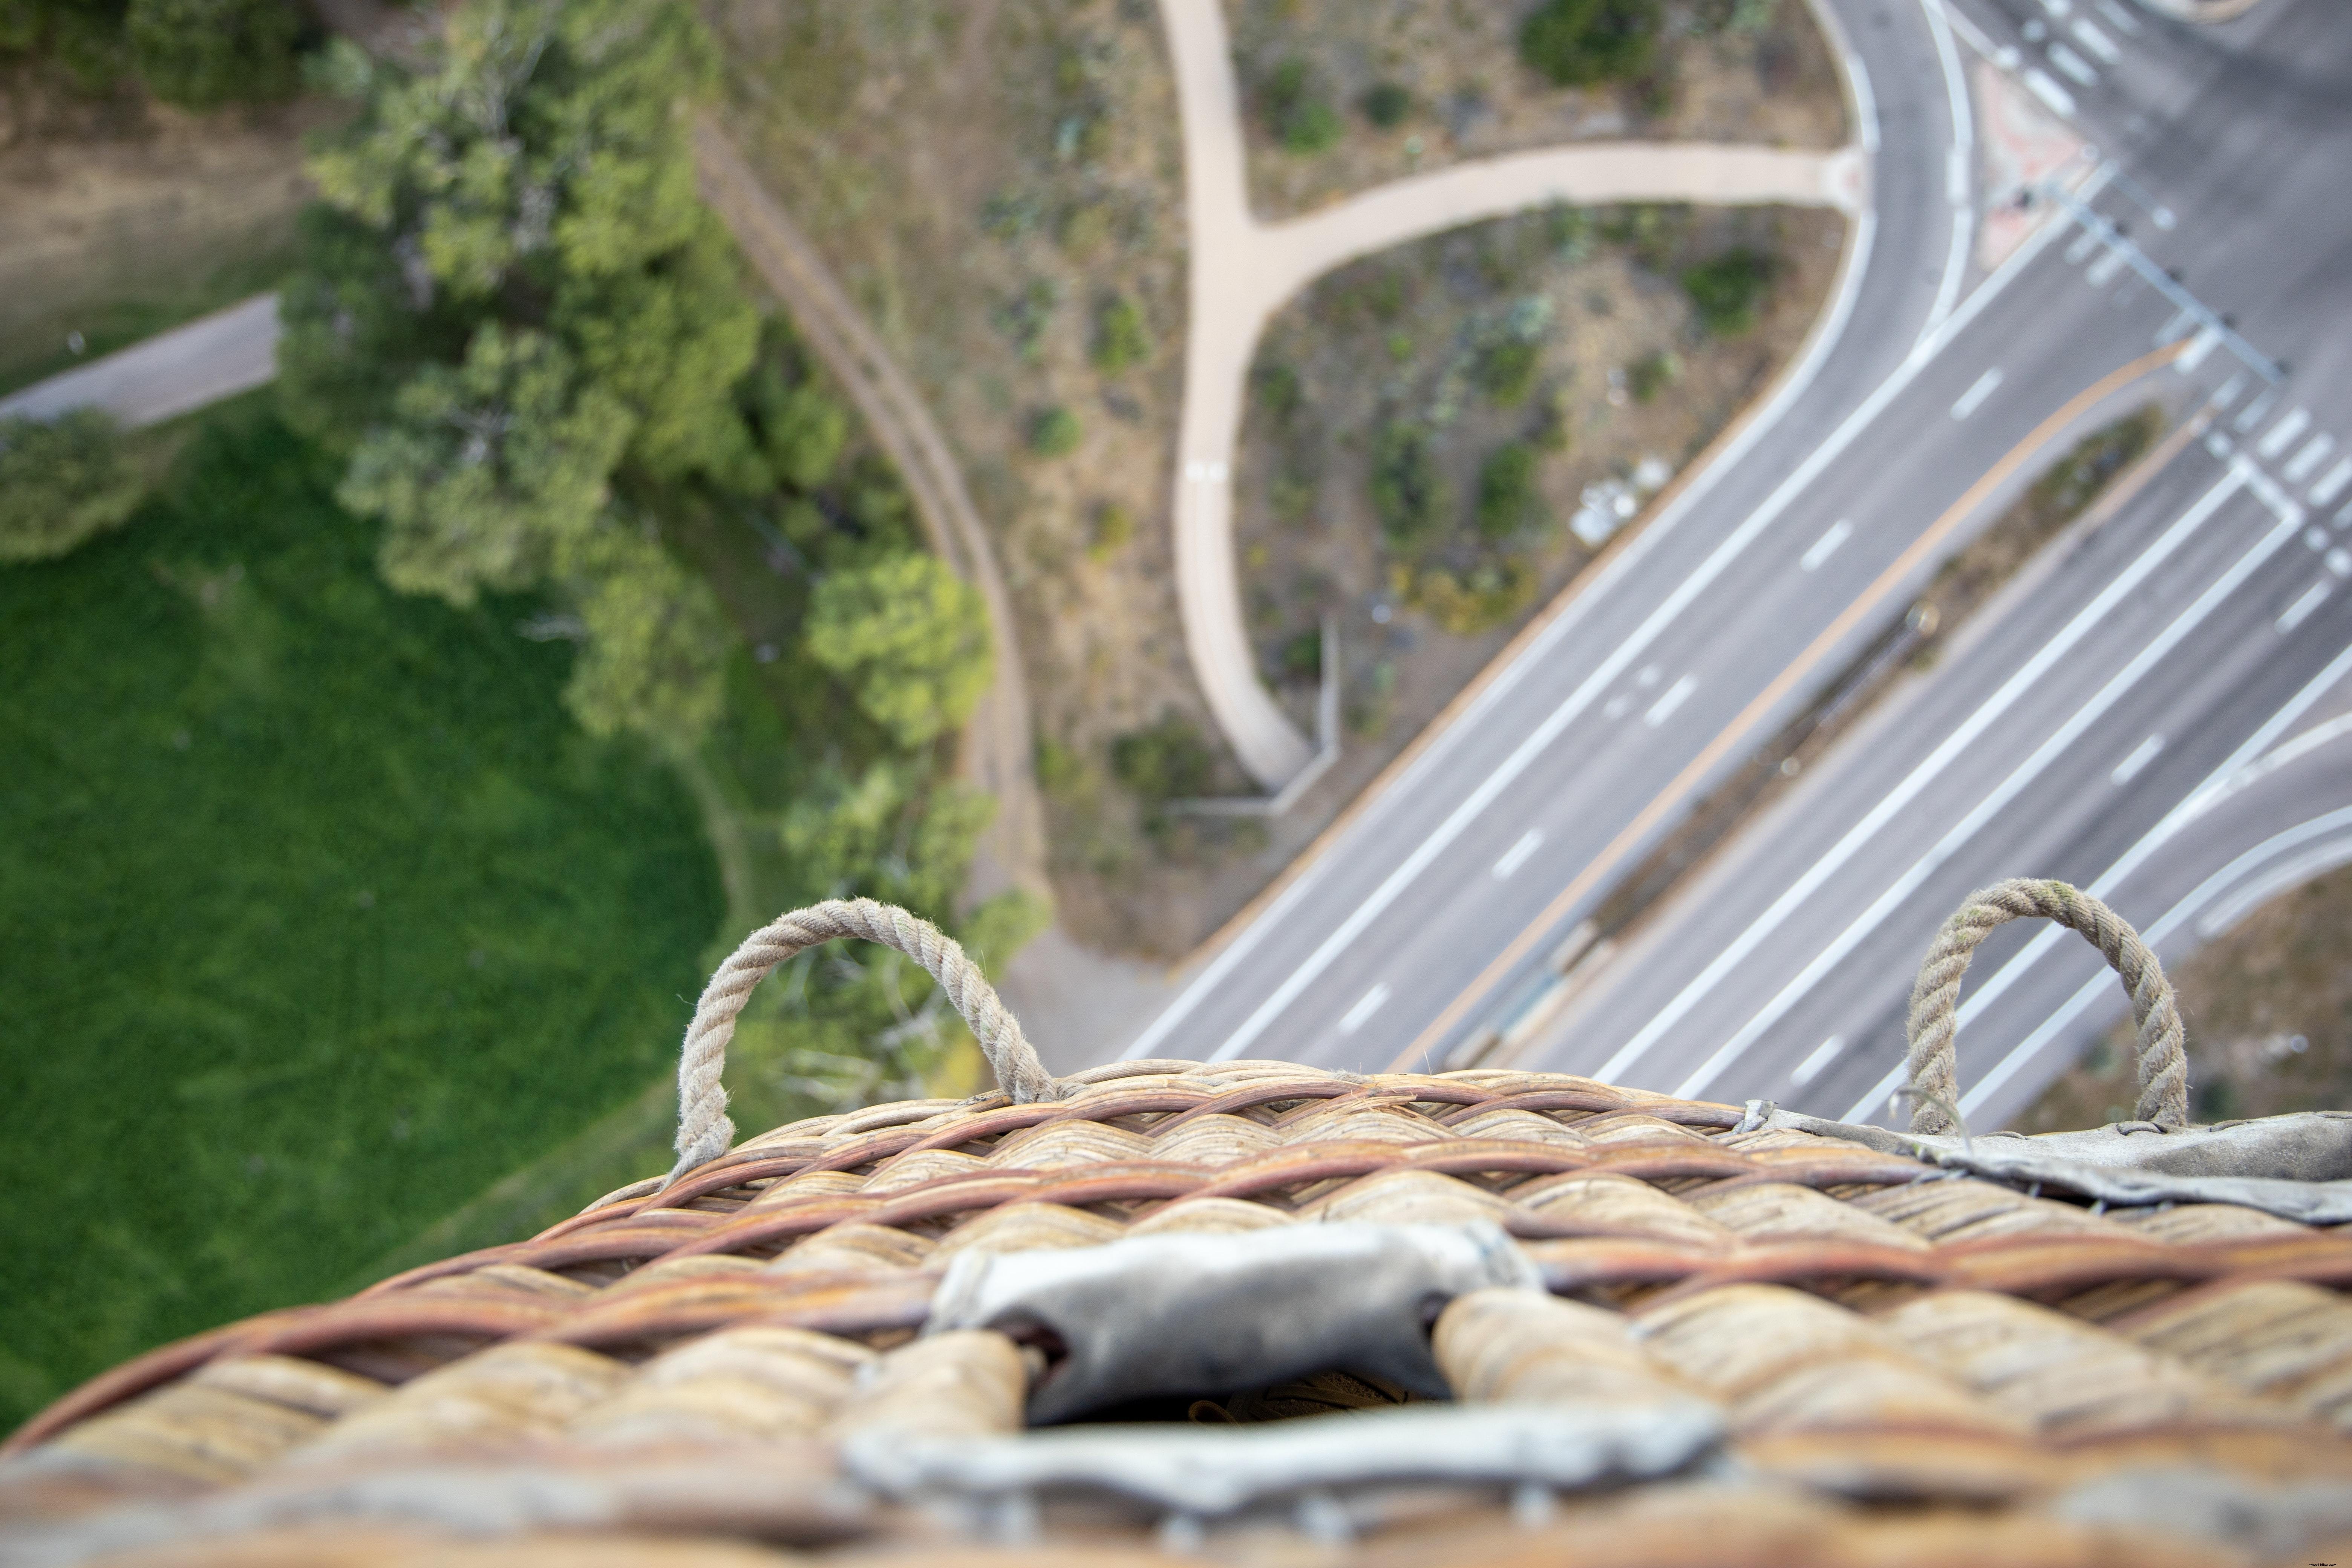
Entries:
{"x":1302,"y":656}
{"x":201,"y":54}
{"x":1505,"y":371}
{"x":1055,"y":432}
{"x":1576,"y":43}
{"x":1278,"y":389}
{"x":1408,"y":494}
{"x":1652,"y":375}
{"x":1168,"y":760}
{"x":1486,"y":598}
{"x":1508,"y":499}
{"x":1114,"y":526}
{"x":1121,"y":340}
{"x":61,"y":482}
{"x":1726,"y":290}
{"x":909,"y":637}
{"x":1387,"y":104}
{"x":1302,"y":120}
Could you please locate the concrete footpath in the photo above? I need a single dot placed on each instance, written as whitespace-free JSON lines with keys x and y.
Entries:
{"x":170,"y":375}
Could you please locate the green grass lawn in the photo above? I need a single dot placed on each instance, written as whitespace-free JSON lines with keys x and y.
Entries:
{"x":318,"y":914}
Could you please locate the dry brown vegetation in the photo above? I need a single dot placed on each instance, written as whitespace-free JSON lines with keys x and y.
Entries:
{"x":1728,"y":70}
{"x":2269,"y":1009}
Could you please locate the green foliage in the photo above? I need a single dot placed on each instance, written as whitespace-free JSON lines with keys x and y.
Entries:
{"x":1114,"y":526}
{"x":1409,"y":496}
{"x":1387,"y":104}
{"x":1509,"y":502}
{"x":1302,"y":656}
{"x":1279,"y":391}
{"x":1302,"y":119}
{"x":82,"y":37}
{"x":1726,"y":290}
{"x":1162,"y":762}
{"x":1651,"y":232}
{"x":1577,"y":43}
{"x":486,"y":470}
{"x":1055,"y":432}
{"x":62,"y":483}
{"x":420,"y":928}
{"x":1570,"y":233}
{"x":802,"y":429}
{"x":1488,"y":597}
{"x":1121,"y":340}
{"x":1505,"y":371}
{"x":1652,"y":373}
{"x":909,"y":637}
{"x":655,"y":644}
{"x":201,"y":54}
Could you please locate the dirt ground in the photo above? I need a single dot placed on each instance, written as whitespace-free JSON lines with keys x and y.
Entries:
{"x":1728,"y":70}
{"x":2269,"y":1009}
{"x":119,"y":217}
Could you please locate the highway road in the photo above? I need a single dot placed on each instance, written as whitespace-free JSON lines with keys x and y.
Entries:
{"x":2203,"y":614}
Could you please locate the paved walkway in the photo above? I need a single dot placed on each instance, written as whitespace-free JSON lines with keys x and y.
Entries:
{"x":1244,"y":270}
{"x":172,"y":374}
{"x":996,"y":745}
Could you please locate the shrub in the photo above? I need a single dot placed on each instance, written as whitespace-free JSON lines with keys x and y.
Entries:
{"x":201,"y":54}
{"x":1576,"y":43}
{"x":1055,"y":432}
{"x":1508,"y":499}
{"x":1278,"y":389}
{"x":1302,"y":120}
{"x":1505,"y":371}
{"x":60,"y":483}
{"x":1163,"y":762}
{"x":1479,"y":601}
{"x":1726,"y":290}
{"x":1114,"y":526}
{"x":1569,"y":232}
{"x":1302,"y":656}
{"x":1408,"y":494}
{"x":1652,"y":375}
{"x":1387,"y":104}
{"x":1121,"y":340}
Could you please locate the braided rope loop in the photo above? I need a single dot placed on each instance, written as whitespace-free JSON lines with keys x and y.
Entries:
{"x":1935,"y":998}
{"x":704,"y":1132}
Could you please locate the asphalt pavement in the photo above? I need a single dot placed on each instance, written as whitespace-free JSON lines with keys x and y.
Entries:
{"x":2195,"y":632}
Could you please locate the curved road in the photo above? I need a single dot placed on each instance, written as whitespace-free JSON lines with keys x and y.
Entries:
{"x":1243,"y":270}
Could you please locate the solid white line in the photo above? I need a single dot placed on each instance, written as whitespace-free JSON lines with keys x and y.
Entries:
{"x":1973,"y":398}
{"x":1959,"y":161}
{"x":2141,"y":755}
{"x":2270,"y":884}
{"x":1364,"y":1009}
{"x":1824,"y":1054}
{"x":1516,"y":855}
{"x":1825,"y":547}
{"x":2300,"y":611}
{"x":2010,"y":788}
{"x":2281,"y":435}
{"x":1920,"y":777}
{"x":1676,"y":695}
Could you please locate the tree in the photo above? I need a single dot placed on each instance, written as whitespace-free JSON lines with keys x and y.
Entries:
{"x":1577,"y":43}
{"x":201,"y":54}
{"x":486,"y":468}
{"x":62,"y":482}
{"x":802,"y":429}
{"x":655,"y":643}
{"x":909,"y":638}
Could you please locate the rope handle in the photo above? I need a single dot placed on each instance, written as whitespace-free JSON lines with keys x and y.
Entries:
{"x":1935,"y":998}
{"x":704,"y":1132}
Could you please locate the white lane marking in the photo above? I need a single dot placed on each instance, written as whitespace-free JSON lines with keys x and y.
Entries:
{"x":2339,"y":560}
{"x":2200,"y":348}
{"x":1360,"y":1013}
{"x":2254,"y":413}
{"x":1617,"y":707}
{"x":1676,"y":695}
{"x":1649,"y":676}
{"x":2038,"y":83}
{"x":2103,"y":271}
{"x":1959,"y":163}
{"x":2332,"y":483}
{"x":2125,"y":22}
{"x":2305,"y":463}
{"x":2300,"y":611}
{"x":2229,"y":390}
{"x":2081,"y":250}
{"x":2086,"y":33}
{"x":2260,"y":889}
{"x":2281,"y":435}
{"x":2073,"y":64}
{"x":1825,"y":547}
{"x":2141,"y":755}
{"x":1953,"y":747}
{"x":1973,"y":398}
{"x":2251,"y":761}
{"x":2316,"y":538}
{"x":1921,"y":356}
{"x":2101,"y":984}
{"x":1865,"y":103}
{"x":1516,"y":855}
{"x":1811,"y":1067}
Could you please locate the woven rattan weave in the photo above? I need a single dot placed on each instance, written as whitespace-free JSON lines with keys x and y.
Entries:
{"x":1870,"y":1358}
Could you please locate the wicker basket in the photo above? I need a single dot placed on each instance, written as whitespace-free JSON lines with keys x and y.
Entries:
{"x":1533,"y":1318}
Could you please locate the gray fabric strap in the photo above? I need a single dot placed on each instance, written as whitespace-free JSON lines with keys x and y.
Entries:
{"x":1935,"y":999}
{"x":704,"y":1132}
